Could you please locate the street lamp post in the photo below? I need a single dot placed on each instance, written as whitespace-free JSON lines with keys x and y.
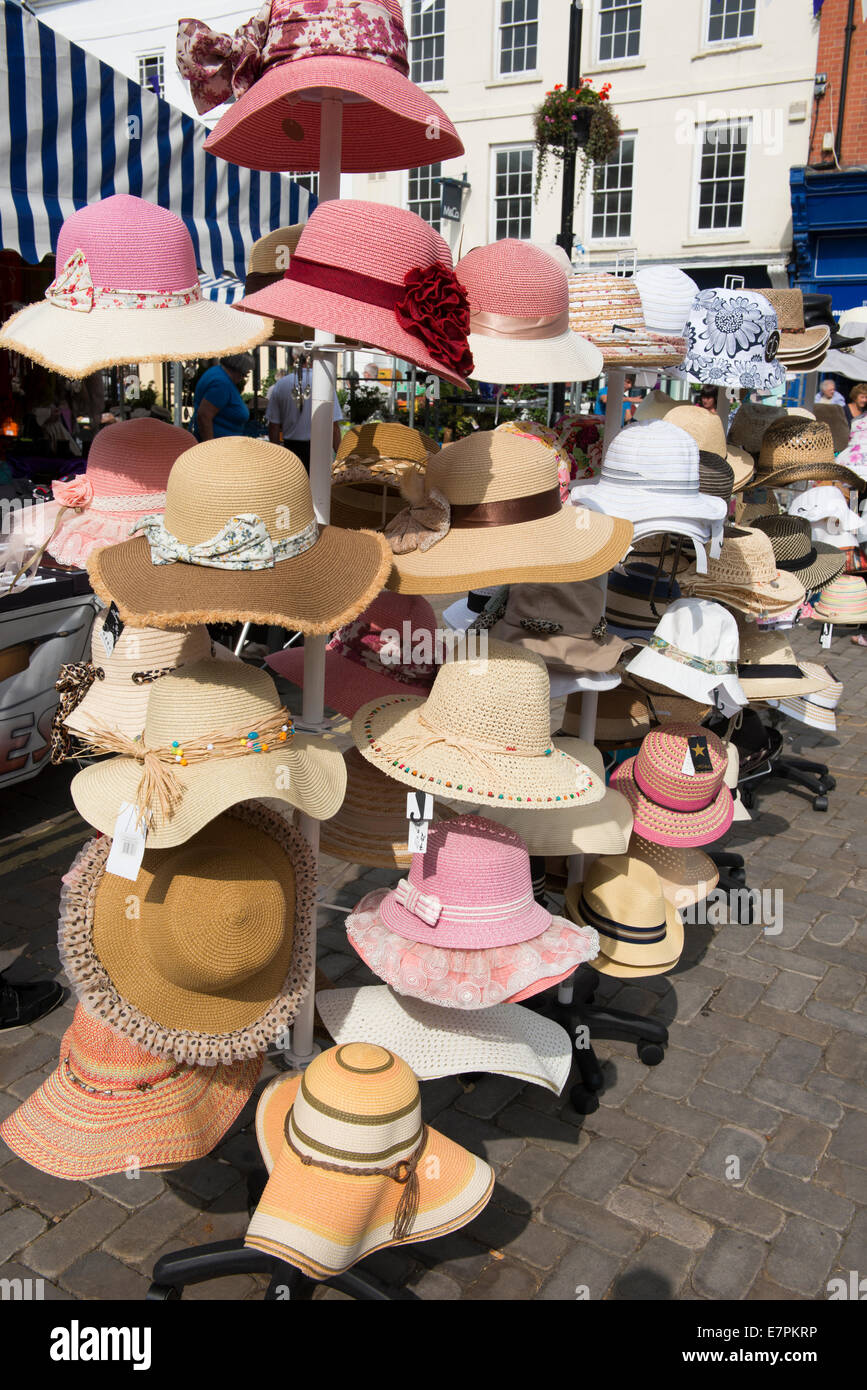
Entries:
{"x":567,"y":220}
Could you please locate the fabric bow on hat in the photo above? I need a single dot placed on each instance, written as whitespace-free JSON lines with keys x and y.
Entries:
{"x":426,"y":521}
{"x":242,"y":544}
{"x":72,"y":287}
{"x":221,"y":66}
{"x":422,"y":905}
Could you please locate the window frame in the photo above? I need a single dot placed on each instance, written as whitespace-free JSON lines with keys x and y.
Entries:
{"x":712,"y":45}
{"x":158,"y":56}
{"x":719,"y":232}
{"x":492,"y":202}
{"x":428,"y":170}
{"x":628,"y":239}
{"x":434,"y":81}
{"x":526,"y":74}
{"x":313,"y":175}
{"x":597,"y":39}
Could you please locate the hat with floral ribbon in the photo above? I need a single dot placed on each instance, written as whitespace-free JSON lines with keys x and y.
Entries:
{"x":693,"y":651}
{"x":126,"y":290}
{"x":674,"y":803}
{"x":732,"y":340}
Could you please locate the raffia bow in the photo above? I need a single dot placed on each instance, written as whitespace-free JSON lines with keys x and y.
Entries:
{"x":424,"y":523}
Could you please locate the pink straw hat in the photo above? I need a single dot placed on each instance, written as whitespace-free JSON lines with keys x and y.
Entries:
{"x":519,"y":324}
{"x":375,"y":656}
{"x":379,"y":275}
{"x":280,"y":63}
{"x":463,"y":929}
{"x":126,"y":290}
{"x":671,"y":804}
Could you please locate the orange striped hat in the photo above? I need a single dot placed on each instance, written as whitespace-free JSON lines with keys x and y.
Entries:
{"x":353,"y":1167}
{"x":110,"y":1107}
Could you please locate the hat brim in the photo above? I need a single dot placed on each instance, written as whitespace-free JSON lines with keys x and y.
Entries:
{"x":804,"y":344}
{"x":565,"y":652}
{"x":684,"y":680}
{"x":759,"y":688}
{"x":742,"y":465}
{"x":74,"y":345}
{"x":315,"y":593}
{"x":814,"y":472}
{"x":663,"y":954}
{"x":637,"y":505}
{"x":555,"y":550}
{"x":689,"y":829}
{"x":638,"y":349}
{"x":517,"y":362}
{"x":375,"y":849}
{"x":323,"y":1222}
{"x":348,"y":684}
{"x":686,"y":876}
{"x":763,"y":376}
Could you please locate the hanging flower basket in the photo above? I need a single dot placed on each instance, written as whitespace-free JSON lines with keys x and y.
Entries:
{"x":572,"y":121}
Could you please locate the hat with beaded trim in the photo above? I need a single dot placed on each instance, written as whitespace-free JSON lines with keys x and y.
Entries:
{"x":673,"y":803}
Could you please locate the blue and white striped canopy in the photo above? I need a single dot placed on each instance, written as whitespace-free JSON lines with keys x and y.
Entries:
{"x":73,"y":131}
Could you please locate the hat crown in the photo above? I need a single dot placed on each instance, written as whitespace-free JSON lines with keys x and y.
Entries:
{"x":502,"y":700}
{"x":358,"y":1106}
{"x":666,"y":294}
{"x":790,"y":535}
{"x":789,"y":308}
{"x":657,"y":447}
{"x":750,"y":423}
{"x":577,"y":607}
{"x":99,"y":1058}
{"x":130,"y":244}
{"x":747,"y":558}
{"x":472,"y":863}
{"x":514,"y":278}
{"x":598,"y":301}
{"x":626,"y":891}
{"x":701,"y":628}
{"x":659,"y":766}
{"x":794,"y":441}
{"x":148,"y":649}
{"x":135,"y":457}
{"x":205,"y":698}
{"x":706,"y":429}
{"x":372,"y":239}
{"x":385,"y":442}
{"x":493,"y":466}
{"x":221,"y":478}
{"x":271,"y":254}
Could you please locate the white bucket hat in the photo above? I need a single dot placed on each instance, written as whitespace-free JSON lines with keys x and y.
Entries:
{"x":694,"y":650}
{"x":667,"y":296}
{"x":732,"y":339}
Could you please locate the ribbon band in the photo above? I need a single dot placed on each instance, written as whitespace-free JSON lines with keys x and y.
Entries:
{"x":513,"y":512}
{"x":802,"y":563}
{"x":618,"y":931}
{"x":525,"y":330}
{"x":697,"y":663}
{"x":334,"y":279}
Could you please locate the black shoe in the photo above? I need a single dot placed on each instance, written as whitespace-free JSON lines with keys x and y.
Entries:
{"x":24,"y":1004}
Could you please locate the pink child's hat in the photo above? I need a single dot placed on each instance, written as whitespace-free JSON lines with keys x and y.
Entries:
{"x":364,"y":662}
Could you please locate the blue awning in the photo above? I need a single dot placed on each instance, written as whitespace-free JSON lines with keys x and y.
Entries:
{"x":73,"y":130}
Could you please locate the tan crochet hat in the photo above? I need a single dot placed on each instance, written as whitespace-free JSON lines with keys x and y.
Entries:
{"x":239,"y":541}
{"x":794,"y":449}
{"x":490,"y":513}
{"x":745,"y":576}
{"x":708,"y":433}
{"x":686,"y":876}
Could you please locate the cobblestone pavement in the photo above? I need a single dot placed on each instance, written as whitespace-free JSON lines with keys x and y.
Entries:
{"x":766,"y":1065}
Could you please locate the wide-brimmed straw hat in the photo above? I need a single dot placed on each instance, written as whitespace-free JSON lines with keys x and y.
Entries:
{"x":750,"y":422}
{"x":813,"y":563}
{"x":278,"y":64}
{"x":686,"y":876}
{"x":732,"y":339}
{"x":671,"y":804}
{"x":562,"y":623}
{"x":110,"y":1100}
{"x":371,"y":827}
{"x":354,"y":1167}
{"x":843,"y":601}
{"x":693,"y":651}
{"x":380,"y":275}
{"x":746,"y":575}
{"x":215,"y":734}
{"x":391,"y":649}
{"x":483,"y":734}
{"x":126,"y":290}
{"x":768,"y":668}
{"x":818,"y":709}
{"x":801,"y":349}
{"x":667,"y":294}
{"x":213,"y":964}
{"x":239,"y":541}
{"x":464,"y":930}
{"x":268,"y":263}
{"x":795,"y":449}
{"x":490,"y":513}
{"x":606,"y":309}
{"x":505,"y":1040}
{"x":639,"y":931}
{"x":519,"y":317}
{"x":707,"y":431}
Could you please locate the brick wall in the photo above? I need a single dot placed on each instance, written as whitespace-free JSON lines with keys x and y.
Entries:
{"x":832,"y":36}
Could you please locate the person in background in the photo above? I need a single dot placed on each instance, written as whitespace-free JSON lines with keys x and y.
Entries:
{"x":631,"y":400}
{"x":828,"y":393}
{"x":707,"y":399}
{"x":857,"y":403}
{"x":371,"y":372}
{"x":218,"y":406}
{"x":290,"y":412}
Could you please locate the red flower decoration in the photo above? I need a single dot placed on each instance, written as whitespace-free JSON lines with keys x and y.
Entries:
{"x":436,"y":310}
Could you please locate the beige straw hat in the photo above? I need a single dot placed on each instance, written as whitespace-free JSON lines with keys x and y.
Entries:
{"x":768,"y":668}
{"x":269,"y":261}
{"x":490,"y":513}
{"x":213,"y":964}
{"x":239,"y":541}
{"x":801,"y":349}
{"x":371,"y":463}
{"x":687,"y":876}
{"x":745,"y":575}
{"x":795,"y":449}
{"x":482,"y":736}
{"x":622,"y":898}
{"x":708,"y":432}
{"x":371,"y":826}
{"x":198,"y":756}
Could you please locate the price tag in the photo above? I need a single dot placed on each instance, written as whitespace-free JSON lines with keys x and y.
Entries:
{"x":827,"y":635}
{"x":111,"y":629}
{"x":419,"y":813}
{"x":127,"y":844}
{"x":700,"y":753}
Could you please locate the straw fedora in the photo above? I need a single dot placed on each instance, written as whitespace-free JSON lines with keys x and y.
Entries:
{"x":483,"y":734}
{"x":380,"y":275}
{"x":240,"y":541}
{"x":109,"y":1099}
{"x":562,"y":623}
{"x":671,"y":805}
{"x":505,"y":1040}
{"x":795,"y":449}
{"x":716,"y":478}
{"x":491,"y":514}
{"x":732,"y":339}
{"x":371,"y":827}
{"x":212,"y":738}
{"x":813,"y":563}
{"x":126,"y":290}
{"x":215,"y":960}
{"x":746,"y":576}
{"x":268,"y":263}
{"x":749,"y":423}
{"x":276,"y":67}
{"x":371,"y":463}
{"x":693,"y":651}
{"x":827,"y":413}
{"x":768,"y":668}
{"x":519,"y":317}
{"x":801,"y":349}
{"x":844,"y":601}
{"x":606,"y":309}
{"x":818,"y":709}
{"x":348,"y":1146}
{"x":622,"y":898}
{"x":464,"y":930}
{"x":686,"y":876}
{"x":708,"y":433}
{"x":666,"y":294}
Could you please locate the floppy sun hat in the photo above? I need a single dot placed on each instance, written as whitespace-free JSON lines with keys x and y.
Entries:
{"x":110,"y":1099}
{"x":640,"y":933}
{"x":519,"y":317}
{"x":215,"y":734}
{"x":693,"y":651}
{"x":126,"y":290}
{"x":732,"y":340}
{"x":239,"y":541}
{"x":671,"y":804}
{"x":463,"y":930}
{"x":354,"y":1168}
{"x":380,"y":275}
{"x":215,"y":962}
{"x":483,"y":734}
{"x":371,"y":826}
{"x":279,"y":65}
{"x":490,"y":512}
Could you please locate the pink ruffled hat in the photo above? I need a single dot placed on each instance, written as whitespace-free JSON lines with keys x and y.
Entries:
{"x":279,"y":63}
{"x":390,"y":650}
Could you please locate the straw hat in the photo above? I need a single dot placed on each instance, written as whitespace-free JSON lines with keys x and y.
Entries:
{"x":801,"y":349}
{"x":768,"y":667}
{"x":371,"y":827}
{"x":693,"y":651}
{"x":750,"y":422}
{"x":126,"y":290}
{"x":655,"y":406}
{"x":380,"y":275}
{"x":505,"y":1040}
{"x":672,"y":806}
{"x":746,"y":575}
{"x":622,"y":899}
{"x":816,"y":710}
{"x":708,"y":433}
{"x":349,"y":1145}
{"x":827,"y":413}
{"x":482,"y":735}
{"x":844,"y":601}
{"x":268,"y":263}
{"x":519,"y":324}
{"x":746,"y":513}
{"x":226,"y":719}
{"x":215,"y":961}
{"x":794,"y":449}
{"x":636,"y":598}
{"x":463,"y":930}
{"x":391,"y":649}
{"x":732,"y":339}
{"x":109,"y":1100}
{"x":607,"y":310}
{"x":666,"y":294}
{"x":625,"y":715}
{"x":491,"y":514}
{"x":716,"y":478}
{"x":381,"y":453}
{"x":686,"y":876}
{"x":279,"y":63}
{"x":239,"y":541}
{"x":815,"y":565}
{"x":562,"y":623}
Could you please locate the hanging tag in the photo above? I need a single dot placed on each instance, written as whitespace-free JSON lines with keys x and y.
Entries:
{"x":699,"y":753}
{"x":827,"y":635}
{"x":419,"y":813}
{"x":127,"y":844}
{"x":724,"y":702}
{"x":688,"y":768}
{"x":111,"y":629}
{"x":620,"y":330}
